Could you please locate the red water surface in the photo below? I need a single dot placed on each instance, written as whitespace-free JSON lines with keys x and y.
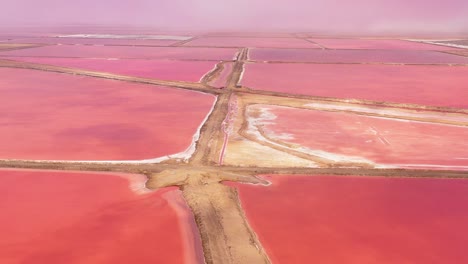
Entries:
{"x":56,"y":116}
{"x":389,"y":44}
{"x":67,"y":217}
{"x":190,"y":71}
{"x":356,"y":56}
{"x":356,"y":220}
{"x":251,"y":42}
{"x":98,"y":41}
{"x":129,"y":52}
{"x":381,"y":140}
{"x":416,"y":84}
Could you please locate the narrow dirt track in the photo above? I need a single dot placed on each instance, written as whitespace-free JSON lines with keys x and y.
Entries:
{"x":7,"y":46}
{"x":225,"y":233}
{"x":210,"y":132}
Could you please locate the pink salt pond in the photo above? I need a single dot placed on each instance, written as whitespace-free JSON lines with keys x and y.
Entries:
{"x":356,"y":220}
{"x":263,"y":42}
{"x":171,"y":70}
{"x":346,"y":137}
{"x":383,"y":44}
{"x":356,"y":56}
{"x":52,"y":116}
{"x":244,"y":34}
{"x":97,"y":41}
{"x":46,"y":218}
{"x":126,"y":52}
{"x":414,"y":84}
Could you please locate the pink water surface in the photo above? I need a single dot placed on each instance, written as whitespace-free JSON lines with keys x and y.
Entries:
{"x":381,"y":140}
{"x":190,"y":71}
{"x":250,"y":34}
{"x":356,"y":56}
{"x":251,"y":42}
{"x":221,"y":80}
{"x":356,"y":220}
{"x":56,"y":116}
{"x":69,"y":217}
{"x":122,"y":52}
{"x":416,"y":84}
{"x":385,"y":44}
{"x":97,"y":41}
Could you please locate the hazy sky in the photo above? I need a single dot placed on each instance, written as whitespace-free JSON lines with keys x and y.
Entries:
{"x":256,"y":15}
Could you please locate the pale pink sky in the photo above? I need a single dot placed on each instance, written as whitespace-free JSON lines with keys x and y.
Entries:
{"x":374,"y":16}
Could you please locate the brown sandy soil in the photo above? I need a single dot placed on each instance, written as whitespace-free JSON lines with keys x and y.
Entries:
{"x":226,"y":235}
{"x":211,"y":137}
{"x":459,"y":52}
{"x":210,"y":133}
{"x":9,"y":46}
{"x":150,"y":170}
{"x":225,"y":232}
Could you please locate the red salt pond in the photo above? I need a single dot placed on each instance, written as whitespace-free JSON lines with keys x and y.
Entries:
{"x":251,"y":42}
{"x":52,"y":116}
{"x":190,"y":71}
{"x":80,"y":217}
{"x":415,"y":84}
{"x":356,"y":220}
{"x":343,"y":137}
{"x":97,"y":41}
{"x":126,"y":52}
{"x":389,"y":44}
{"x":356,"y":56}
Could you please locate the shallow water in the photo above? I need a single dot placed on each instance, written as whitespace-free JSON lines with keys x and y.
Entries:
{"x":69,"y":217}
{"x":355,"y":220}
